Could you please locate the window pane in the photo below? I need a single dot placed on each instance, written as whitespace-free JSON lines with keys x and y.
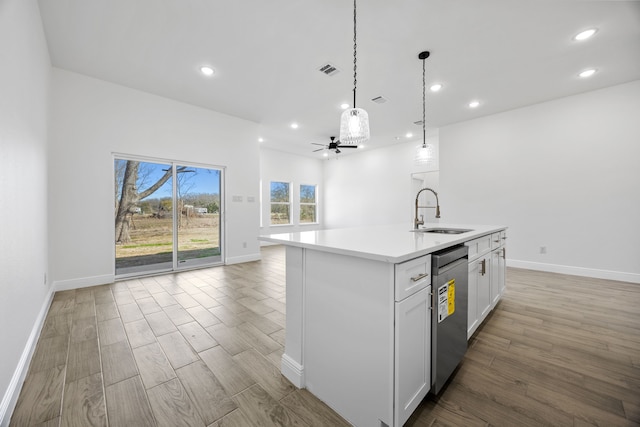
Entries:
{"x":198,"y":215}
{"x":307,"y":213}
{"x":280,"y":213}
{"x":307,"y":194}
{"x":280,"y":192}
{"x":144,"y":225}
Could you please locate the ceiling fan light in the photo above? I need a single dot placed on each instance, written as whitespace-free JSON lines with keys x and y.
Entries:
{"x":354,"y":127}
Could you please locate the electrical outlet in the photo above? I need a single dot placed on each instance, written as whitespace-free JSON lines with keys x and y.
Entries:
{"x":543,"y":250}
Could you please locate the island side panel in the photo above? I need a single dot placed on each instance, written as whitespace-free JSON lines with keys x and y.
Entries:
{"x":292,"y":364}
{"x":348,"y":335}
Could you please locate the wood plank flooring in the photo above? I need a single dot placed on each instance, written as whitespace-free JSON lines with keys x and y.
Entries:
{"x":203,"y":348}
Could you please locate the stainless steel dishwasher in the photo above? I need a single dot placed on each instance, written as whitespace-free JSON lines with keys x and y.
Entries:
{"x":449,"y":270}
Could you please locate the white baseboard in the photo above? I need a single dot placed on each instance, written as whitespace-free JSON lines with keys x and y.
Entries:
{"x":10,"y":397}
{"x":82,"y":282}
{"x":292,"y":371}
{"x":576,"y":271}
{"x":243,"y":258}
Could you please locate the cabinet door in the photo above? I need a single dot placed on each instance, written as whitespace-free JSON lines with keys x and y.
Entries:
{"x":497,"y":276}
{"x":412,"y":353}
{"x":502,"y":267}
{"x":484,"y":286}
{"x":472,"y":299}
{"x":479,"y":299}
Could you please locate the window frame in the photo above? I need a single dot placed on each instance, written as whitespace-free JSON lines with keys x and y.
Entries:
{"x":314,"y":204}
{"x":288,"y":204}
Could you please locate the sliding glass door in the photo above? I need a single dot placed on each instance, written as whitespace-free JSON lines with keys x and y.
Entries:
{"x":198,"y":196}
{"x":168,"y":216}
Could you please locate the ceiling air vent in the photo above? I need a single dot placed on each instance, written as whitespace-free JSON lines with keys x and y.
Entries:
{"x":379,"y":99}
{"x":329,"y":69}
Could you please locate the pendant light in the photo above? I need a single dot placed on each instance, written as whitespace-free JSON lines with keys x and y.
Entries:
{"x":354,"y":123}
{"x":424,"y":153}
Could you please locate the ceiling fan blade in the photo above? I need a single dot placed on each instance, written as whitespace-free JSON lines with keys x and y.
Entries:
{"x":315,"y":143}
{"x":348,"y":146}
{"x":337,"y":150}
{"x":319,"y":149}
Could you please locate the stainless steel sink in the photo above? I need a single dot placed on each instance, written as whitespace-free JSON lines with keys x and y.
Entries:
{"x":442,"y":230}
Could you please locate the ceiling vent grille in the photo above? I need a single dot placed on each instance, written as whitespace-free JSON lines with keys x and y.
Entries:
{"x":329,"y":69}
{"x":379,"y":99}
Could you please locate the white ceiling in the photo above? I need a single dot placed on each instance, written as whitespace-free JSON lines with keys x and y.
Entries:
{"x":505,"y":53}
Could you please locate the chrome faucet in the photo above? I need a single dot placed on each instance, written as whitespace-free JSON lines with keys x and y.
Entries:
{"x":418,"y":222}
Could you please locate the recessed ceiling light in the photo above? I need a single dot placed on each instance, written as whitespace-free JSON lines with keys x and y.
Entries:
{"x":587,"y":73}
{"x":474,"y":104}
{"x":408,"y":135}
{"x":207,"y":71}
{"x":260,"y":139}
{"x":585,"y":34}
{"x":325,"y":154}
{"x":361,"y":146}
{"x":344,"y":106}
{"x":436,"y":87}
{"x":294,"y":126}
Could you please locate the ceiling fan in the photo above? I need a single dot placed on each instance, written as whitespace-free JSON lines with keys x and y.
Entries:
{"x":333,"y":145}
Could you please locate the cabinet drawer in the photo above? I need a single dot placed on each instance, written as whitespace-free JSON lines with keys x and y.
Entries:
{"x":411,"y":276}
{"x":479,"y":246}
{"x":503,"y":237}
{"x":496,"y":241}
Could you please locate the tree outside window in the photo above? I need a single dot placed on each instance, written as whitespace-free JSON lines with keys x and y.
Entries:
{"x":280,"y":203}
{"x":308,"y":204}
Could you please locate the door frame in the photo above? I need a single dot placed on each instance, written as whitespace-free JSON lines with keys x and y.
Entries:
{"x":222,"y":220}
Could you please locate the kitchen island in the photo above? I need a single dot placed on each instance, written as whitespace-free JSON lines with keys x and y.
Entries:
{"x":358,"y":320}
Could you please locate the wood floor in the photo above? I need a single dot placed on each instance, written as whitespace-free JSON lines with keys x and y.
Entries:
{"x":203,"y":348}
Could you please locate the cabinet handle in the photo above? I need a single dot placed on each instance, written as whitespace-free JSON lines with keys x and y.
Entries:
{"x":484,"y":267}
{"x":419,"y":277}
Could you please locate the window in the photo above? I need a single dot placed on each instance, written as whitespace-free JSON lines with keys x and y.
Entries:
{"x":308,"y":211}
{"x":280,"y":203}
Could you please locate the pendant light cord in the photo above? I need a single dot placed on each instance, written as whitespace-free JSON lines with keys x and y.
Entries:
{"x":424,"y":106}
{"x":355,"y":81}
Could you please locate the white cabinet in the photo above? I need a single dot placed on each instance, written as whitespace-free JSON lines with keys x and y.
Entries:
{"x":479,"y":297}
{"x":498,"y":266}
{"x":486,"y":277}
{"x":480,"y":288}
{"x":413,"y":353}
{"x":412,"y":362}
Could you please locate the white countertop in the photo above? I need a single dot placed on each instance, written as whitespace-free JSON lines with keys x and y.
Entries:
{"x":389,"y":243}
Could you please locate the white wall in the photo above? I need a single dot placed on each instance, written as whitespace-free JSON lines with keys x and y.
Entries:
{"x":285,"y":167}
{"x":374,"y":187}
{"x":563,"y":174}
{"x":91,"y":119}
{"x":24,"y":99}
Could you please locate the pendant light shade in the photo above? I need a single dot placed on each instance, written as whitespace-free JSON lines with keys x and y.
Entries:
{"x":354,"y":126}
{"x":354,"y":122}
{"x":424,"y":152}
